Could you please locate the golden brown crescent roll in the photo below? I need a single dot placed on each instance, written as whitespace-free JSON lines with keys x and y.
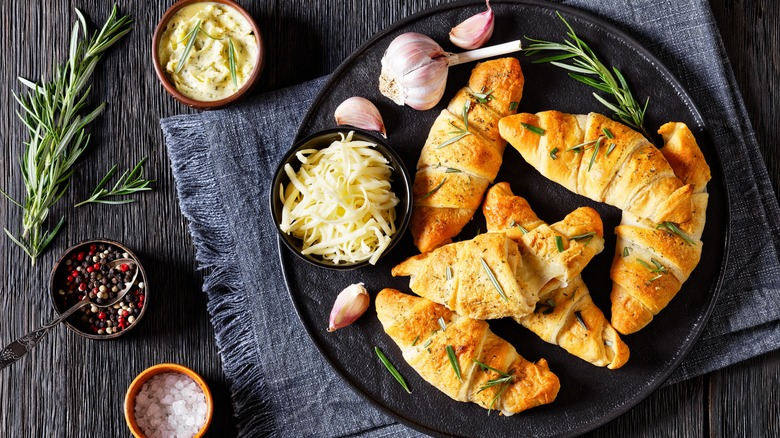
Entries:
{"x":565,"y":315}
{"x":652,"y":260}
{"x":458,"y":276}
{"x":601,"y":159}
{"x":462,"y":153}
{"x":413,"y":323}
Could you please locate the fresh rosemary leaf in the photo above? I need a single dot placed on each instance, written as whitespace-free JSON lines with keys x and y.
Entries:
{"x":610,"y":148}
{"x":454,"y":361}
{"x":434,"y":190}
{"x":453,"y":139}
{"x":451,"y":170}
{"x":671,"y":228}
{"x":442,"y":324}
{"x":417,"y":338}
{"x":626,"y":251}
{"x":535,"y":129}
{"x":488,"y":367}
{"x":582,"y":146}
{"x":607,"y":132}
{"x":654,"y":278}
{"x":466,"y":107}
{"x":449,"y":273}
{"x":513,"y":106}
{"x":586,"y":67}
{"x":553,"y":153}
{"x":427,"y":343}
{"x":522,"y":228}
{"x":589,"y":235}
{"x":483,"y":97}
{"x":657,"y":268}
{"x":232,"y":60}
{"x":580,"y":320}
{"x":559,"y":243}
{"x":193,"y":33}
{"x":595,"y":153}
{"x":390,"y":367}
{"x":493,"y":279}
{"x":512,"y":224}
{"x":128,"y":184}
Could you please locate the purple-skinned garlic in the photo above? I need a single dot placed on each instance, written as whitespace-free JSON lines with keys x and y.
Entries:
{"x":350,"y":304}
{"x":475,"y":31}
{"x":360,"y":113}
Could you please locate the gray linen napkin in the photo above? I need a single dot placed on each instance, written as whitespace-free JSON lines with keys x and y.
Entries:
{"x":223,"y":162}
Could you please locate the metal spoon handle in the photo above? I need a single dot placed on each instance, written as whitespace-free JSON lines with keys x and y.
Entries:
{"x":18,"y":348}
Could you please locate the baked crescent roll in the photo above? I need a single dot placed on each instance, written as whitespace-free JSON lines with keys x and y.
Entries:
{"x":462,"y":153}
{"x":601,"y":159}
{"x":565,"y":315}
{"x":581,"y":234}
{"x":460,"y":276}
{"x":653,"y":260}
{"x":413,"y":323}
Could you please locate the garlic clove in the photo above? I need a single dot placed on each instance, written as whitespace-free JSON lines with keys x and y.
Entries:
{"x":350,"y":304}
{"x":360,"y":113}
{"x":414,"y":71}
{"x":475,"y":31}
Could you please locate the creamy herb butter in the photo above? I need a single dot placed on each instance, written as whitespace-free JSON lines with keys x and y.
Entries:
{"x":195,"y":50}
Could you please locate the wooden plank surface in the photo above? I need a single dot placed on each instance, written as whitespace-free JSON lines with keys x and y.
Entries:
{"x":71,"y":386}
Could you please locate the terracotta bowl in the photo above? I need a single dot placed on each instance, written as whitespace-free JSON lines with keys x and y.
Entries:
{"x":171,"y":88}
{"x":138,"y":383}
{"x":55,"y":279}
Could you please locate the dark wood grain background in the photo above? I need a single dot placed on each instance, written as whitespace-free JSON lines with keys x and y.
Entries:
{"x":70,"y":386}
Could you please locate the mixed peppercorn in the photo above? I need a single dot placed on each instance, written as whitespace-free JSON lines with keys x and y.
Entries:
{"x":86,"y":272}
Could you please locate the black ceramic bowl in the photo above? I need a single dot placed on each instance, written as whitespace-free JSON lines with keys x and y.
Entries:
{"x":401,"y":186}
{"x":57,"y":281}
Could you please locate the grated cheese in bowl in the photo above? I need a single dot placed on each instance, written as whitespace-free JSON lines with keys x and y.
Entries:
{"x":340,"y":202}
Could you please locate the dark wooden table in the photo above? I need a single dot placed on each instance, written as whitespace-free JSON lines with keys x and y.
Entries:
{"x":71,"y":386}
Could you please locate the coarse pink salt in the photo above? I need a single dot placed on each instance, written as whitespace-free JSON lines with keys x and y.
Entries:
{"x":170,"y":405}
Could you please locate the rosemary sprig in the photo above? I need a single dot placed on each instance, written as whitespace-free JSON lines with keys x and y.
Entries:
{"x":582,"y":146}
{"x":128,"y":184}
{"x":493,"y":280}
{"x":513,"y":106}
{"x":417,"y":338}
{"x":458,"y":132}
{"x":504,"y":379}
{"x":452,"y":170}
{"x":454,"y":361}
{"x":191,"y":35}
{"x":553,"y":153}
{"x":442,"y":324}
{"x":670,"y":227}
{"x":53,"y":114}
{"x":390,"y":367}
{"x":589,"y":235}
{"x":535,"y":129}
{"x":434,"y":190}
{"x":626,"y":251}
{"x":595,"y":152}
{"x":586,"y":67}
{"x":483,"y":97}
{"x":232,"y":62}
{"x":559,"y":243}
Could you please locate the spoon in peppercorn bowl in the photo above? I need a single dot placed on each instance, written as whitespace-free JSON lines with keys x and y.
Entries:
{"x":18,"y":348}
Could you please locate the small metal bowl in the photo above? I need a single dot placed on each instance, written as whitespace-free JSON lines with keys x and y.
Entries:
{"x":141,"y":379}
{"x":401,"y":186}
{"x":56,"y":279}
{"x":159,"y":69}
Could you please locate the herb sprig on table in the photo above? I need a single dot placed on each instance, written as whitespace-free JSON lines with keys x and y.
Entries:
{"x":53,"y":114}
{"x":586,"y":67}
{"x":128,"y":183}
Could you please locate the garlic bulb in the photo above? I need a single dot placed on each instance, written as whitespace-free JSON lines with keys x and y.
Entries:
{"x":474,"y":31}
{"x":360,"y":113}
{"x":351,"y":303}
{"x":414,"y":68}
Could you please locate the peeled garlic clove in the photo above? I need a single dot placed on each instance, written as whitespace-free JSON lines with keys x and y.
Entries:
{"x":360,"y":113}
{"x":414,"y":71}
{"x":351,"y":303}
{"x":474,"y":31}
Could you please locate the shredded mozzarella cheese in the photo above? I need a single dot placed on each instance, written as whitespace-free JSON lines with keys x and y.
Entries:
{"x":340,"y":202}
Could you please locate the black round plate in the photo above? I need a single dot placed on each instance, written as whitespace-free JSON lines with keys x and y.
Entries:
{"x":589,"y":395}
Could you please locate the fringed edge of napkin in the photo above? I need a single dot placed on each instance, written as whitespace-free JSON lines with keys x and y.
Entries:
{"x":235,"y":342}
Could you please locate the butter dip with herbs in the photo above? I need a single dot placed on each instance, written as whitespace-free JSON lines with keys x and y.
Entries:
{"x":208,"y":51}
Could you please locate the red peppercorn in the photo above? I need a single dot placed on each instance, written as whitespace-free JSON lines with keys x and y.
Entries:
{"x":83,"y":287}
{"x":90,"y":269}
{"x":69,"y":279}
{"x":92,"y":248}
{"x":80,"y":257}
{"x":102,"y":315}
{"x":140,"y":304}
{"x":96,"y":266}
{"x":124,"y":267}
{"x":140,"y":298}
{"x":74,"y":273}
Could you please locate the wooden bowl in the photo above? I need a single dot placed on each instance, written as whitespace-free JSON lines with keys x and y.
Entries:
{"x":171,"y":88}
{"x":138,"y":383}
{"x":53,"y":281}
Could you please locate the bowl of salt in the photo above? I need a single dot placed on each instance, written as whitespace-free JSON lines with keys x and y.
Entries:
{"x":168,"y":400}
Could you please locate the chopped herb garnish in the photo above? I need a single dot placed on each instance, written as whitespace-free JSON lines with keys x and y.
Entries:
{"x":559,"y":243}
{"x":522,"y":228}
{"x":553,"y":153}
{"x":454,"y":361}
{"x":595,"y":152}
{"x":513,"y":106}
{"x":483,"y":97}
{"x":493,"y":279}
{"x":671,"y":228}
{"x":427,"y":343}
{"x":512,"y":224}
{"x":232,"y":59}
{"x":610,"y":148}
{"x":659,"y":268}
{"x":460,"y":134}
{"x":584,"y":236}
{"x":415,"y":341}
{"x":607,"y":132}
{"x":580,"y":320}
{"x":434,"y":190}
{"x":466,"y":107}
{"x":654,"y":278}
{"x":442,"y":324}
{"x":452,"y":170}
{"x":535,"y":129}
{"x":582,"y":146}
{"x":390,"y":367}
{"x":448,"y":272}
{"x":504,"y":380}
{"x":626,"y":251}
{"x":188,"y":48}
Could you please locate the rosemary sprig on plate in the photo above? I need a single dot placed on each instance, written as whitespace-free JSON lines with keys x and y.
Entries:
{"x":53,"y":114}
{"x":586,"y":67}
{"x":454,"y":361}
{"x":504,"y":380}
{"x":493,"y":279}
{"x":458,"y":132}
{"x":129,"y":183}
{"x":671,"y":228}
{"x":393,"y":370}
